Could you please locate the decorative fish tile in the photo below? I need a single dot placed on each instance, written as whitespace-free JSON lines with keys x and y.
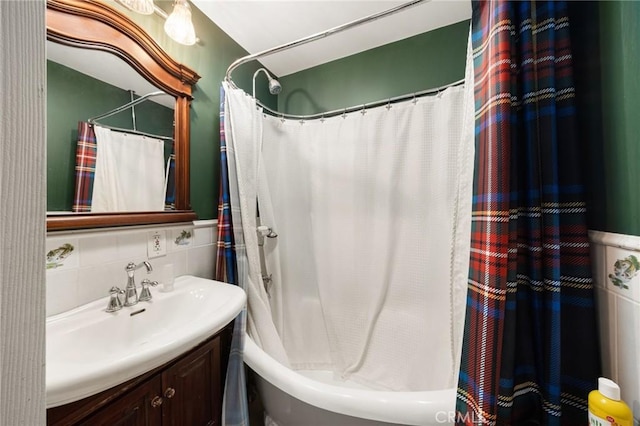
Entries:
{"x":182,"y":238}
{"x":62,"y":254}
{"x":623,"y":268}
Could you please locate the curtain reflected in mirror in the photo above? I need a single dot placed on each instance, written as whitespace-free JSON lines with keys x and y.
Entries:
{"x":135,"y":170}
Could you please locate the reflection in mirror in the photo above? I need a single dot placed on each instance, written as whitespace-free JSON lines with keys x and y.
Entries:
{"x":82,"y":86}
{"x":92,"y":27}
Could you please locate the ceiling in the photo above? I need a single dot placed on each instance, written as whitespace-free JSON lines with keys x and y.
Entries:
{"x":257,"y":25}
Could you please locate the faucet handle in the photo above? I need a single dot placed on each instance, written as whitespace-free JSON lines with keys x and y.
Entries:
{"x":115,"y":304}
{"x":145,"y":293}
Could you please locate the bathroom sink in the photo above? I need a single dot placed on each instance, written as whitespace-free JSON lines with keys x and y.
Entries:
{"x":90,"y":350}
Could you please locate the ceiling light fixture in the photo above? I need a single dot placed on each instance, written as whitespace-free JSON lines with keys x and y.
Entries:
{"x":145,"y":7}
{"x":178,"y":25}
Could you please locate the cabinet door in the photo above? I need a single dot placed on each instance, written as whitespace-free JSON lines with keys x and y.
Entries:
{"x":193,"y":388}
{"x":140,"y":407}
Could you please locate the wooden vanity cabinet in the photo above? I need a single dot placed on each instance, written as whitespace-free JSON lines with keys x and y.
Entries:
{"x":185,"y":391}
{"x":135,"y":408}
{"x":190,"y":395}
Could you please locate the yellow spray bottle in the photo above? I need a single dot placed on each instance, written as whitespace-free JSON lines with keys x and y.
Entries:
{"x":605,"y":406}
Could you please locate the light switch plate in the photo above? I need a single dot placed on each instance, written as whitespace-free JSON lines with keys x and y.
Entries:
{"x":156,"y":244}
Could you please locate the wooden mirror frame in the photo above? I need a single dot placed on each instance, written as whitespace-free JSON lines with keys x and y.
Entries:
{"x":91,"y":24}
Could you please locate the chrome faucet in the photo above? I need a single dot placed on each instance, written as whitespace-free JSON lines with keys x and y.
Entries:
{"x":115,"y":304}
{"x":131,"y":294}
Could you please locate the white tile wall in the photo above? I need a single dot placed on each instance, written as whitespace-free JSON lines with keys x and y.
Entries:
{"x":98,"y":258}
{"x":619,"y":311}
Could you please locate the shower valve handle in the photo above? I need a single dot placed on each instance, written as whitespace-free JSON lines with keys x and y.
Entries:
{"x":266,"y":231}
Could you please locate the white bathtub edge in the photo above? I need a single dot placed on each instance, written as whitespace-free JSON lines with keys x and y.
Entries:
{"x":408,"y":408}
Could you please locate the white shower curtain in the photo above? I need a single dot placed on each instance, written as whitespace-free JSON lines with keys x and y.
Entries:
{"x":129,"y":174}
{"x":243,"y":134}
{"x":372,"y":216}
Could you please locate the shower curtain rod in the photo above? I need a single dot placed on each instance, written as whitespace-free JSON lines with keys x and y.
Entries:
{"x":318,"y":36}
{"x":126,"y":106}
{"x":134,"y":132}
{"x":136,"y":101}
{"x":361,"y":107}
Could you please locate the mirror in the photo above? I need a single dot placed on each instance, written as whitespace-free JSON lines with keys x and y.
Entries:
{"x":84,"y":84}
{"x":97,"y":28}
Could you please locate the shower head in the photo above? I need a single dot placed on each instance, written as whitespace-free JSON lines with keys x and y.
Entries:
{"x":274,"y":85}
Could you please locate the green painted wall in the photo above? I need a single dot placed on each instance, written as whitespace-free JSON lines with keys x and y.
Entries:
{"x":417,"y":63}
{"x":73,"y":97}
{"x":606,"y":50}
{"x":586,"y":60}
{"x":620,"y":90}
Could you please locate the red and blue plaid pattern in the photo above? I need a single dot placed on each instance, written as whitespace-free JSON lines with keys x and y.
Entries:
{"x":86,"y":150}
{"x":226,"y":266}
{"x":530,"y":353}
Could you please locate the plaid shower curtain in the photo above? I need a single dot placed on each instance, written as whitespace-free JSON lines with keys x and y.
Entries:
{"x":86,"y":151}
{"x":235,"y":405}
{"x":530,"y":352}
{"x":226,"y":268}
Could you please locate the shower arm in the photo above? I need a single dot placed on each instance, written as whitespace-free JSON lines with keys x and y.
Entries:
{"x":253,"y":93}
{"x":318,"y":36}
{"x":274,"y":85}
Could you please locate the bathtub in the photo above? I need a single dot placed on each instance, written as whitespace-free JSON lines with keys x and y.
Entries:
{"x":313,"y":398}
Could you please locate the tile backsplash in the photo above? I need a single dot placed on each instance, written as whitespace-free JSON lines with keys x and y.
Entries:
{"x":616,"y":268}
{"x":83,"y":265}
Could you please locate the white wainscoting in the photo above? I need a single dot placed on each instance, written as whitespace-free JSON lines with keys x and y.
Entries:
{"x":617,"y":279}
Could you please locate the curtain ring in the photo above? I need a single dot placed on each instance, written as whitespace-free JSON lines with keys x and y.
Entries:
{"x":322,"y":118}
{"x":388,"y":107}
{"x":344,"y":113}
{"x":363,"y":111}
{"x":282,"y":118}
{"x":415,"y":100}
{"x":301,"y":122}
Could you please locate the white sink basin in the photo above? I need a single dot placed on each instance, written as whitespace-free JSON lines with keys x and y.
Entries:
{"x":90,"y":350}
